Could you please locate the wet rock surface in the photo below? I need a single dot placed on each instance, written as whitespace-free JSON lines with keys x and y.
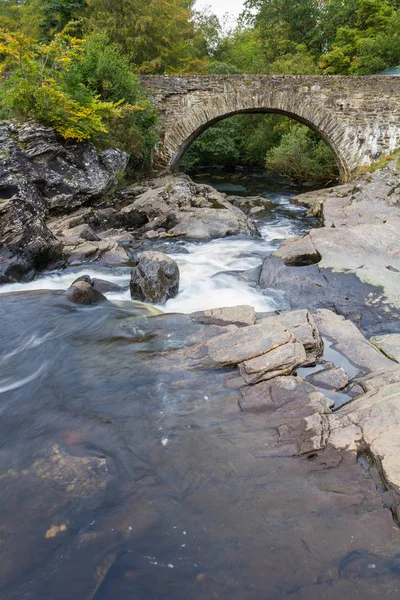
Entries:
{"x":155,"y":278}
{"x":82,"y":292}
{"x":389,"y":345}
{"x":126,"y":461}
{"x":235,"y":315}
{"x":357,"y":252}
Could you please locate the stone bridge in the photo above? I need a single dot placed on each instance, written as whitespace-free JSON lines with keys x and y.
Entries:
{"x":358,"y":117}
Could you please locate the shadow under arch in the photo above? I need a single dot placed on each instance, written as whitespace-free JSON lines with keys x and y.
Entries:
{"x":344,"y":171}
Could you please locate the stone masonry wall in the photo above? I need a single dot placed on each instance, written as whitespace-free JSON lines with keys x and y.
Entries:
{"x":359,"y":117}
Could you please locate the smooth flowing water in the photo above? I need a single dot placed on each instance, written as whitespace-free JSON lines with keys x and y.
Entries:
{"x":126,"y":476}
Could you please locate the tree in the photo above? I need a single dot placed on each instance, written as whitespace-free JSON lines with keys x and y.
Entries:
{"x":157,"y":36}
{"x":283,"y":24}
{"x":371,"y":45}
{"x":58,"y":13}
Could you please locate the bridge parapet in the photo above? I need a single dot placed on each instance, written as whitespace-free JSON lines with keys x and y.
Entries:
{"x":358,"y":117}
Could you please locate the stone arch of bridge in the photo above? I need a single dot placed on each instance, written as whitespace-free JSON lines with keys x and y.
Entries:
{"x":195,"y":119}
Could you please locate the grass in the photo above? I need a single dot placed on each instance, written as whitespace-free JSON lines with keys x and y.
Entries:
{"x":381,"y":163}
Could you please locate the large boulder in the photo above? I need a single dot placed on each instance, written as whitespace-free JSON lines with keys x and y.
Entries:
{"x":204,"y":224}
{"x":39,"y":174}
{"x":155,"y":278}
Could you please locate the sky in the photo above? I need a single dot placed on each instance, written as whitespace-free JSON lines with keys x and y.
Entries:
{"x":220,"y":7}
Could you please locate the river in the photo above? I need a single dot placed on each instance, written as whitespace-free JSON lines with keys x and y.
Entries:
{"x":125,"y":476}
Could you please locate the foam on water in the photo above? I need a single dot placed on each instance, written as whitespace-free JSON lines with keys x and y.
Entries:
{"x":211,"y":272}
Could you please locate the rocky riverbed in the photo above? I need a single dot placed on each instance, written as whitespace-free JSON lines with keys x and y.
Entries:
{"x":236,"y":451}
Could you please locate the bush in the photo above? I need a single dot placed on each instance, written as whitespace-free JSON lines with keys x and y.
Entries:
{"x":304,"y":157}
{"x":82,"y":88}
{"x":36,"y":86}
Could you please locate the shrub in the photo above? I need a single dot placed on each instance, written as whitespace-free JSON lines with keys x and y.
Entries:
{"x":84,"y":89}
{"x":302,"y":156}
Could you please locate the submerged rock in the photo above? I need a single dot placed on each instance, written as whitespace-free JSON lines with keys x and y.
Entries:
{"x":155,"y":278}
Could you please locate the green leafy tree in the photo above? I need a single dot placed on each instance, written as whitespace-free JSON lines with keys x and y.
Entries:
{"x":58,"y":13}
{"x":157,"y":36}
{"x":372,"y":45}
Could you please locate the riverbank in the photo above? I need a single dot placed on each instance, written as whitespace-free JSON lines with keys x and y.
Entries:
{"x":195,"y":452}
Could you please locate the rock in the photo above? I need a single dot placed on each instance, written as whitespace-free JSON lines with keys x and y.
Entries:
{"x":104,"y":287}
{"x":377,"y":379}
{"x":251,"y":204}
{"x":373,"y":198}
{"x":205,"y":224}
{"x":372,"y":422}
{"x":334,"y":378}
{"x":358,"y":270}
{"x":40,"y":173}
{"x":302,"y":324}
{"x":296,"y":408}
{"x":389,"y":345}
{"x":155,"y":278}
{"x":273,"y":395}
{"x":82,"y":292}
{"x":76,"y":476}
{"x":84,"y":278}
{"x":185,"y":209}
{"x":298,"y":252}
{"x":242,"y":344}
{"x":236,"y":315}
{"x":277,"y":362}
{"x":349,"y":341}
{"x":85,"y":232}
{"x":106,"y":251}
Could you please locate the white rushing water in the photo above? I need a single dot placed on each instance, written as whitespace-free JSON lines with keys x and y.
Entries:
{"x":212,"y":273}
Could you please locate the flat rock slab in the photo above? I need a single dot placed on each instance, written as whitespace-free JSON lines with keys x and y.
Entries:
{"x":203,"y":224}
{"x":302,"y":324}
{"x":389,"y":345}
{"x":296,"y":408}
{"x":349,"y":341}
{"x":280,"y":361}
{"x":240,"y":345}
{"x":372,"y":422}
{"x":232,"y":315}
{"x":334,"y":378}
{"x":366,"y":250}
